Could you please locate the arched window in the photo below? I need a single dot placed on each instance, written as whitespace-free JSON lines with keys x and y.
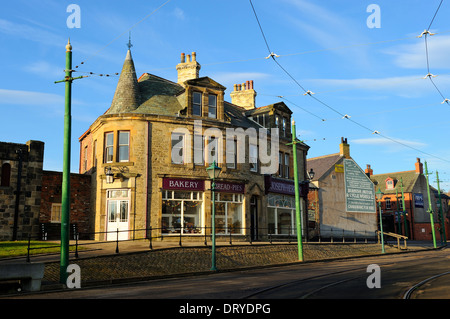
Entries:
{"x":6,"y":174}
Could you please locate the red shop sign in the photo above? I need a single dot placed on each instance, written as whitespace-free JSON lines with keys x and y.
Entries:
{"x":183,"y":184}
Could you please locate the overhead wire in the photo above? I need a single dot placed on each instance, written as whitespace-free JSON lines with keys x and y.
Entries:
{"x":309,"y":93}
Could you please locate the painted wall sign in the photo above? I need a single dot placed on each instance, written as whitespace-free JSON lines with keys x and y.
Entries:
{"x":359,"y":189}
{"x":183,"y":184}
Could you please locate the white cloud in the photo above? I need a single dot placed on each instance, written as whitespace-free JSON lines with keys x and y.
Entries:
{"x":404,"y":86}
{"x":18,"y":97}
{"x":380,"y":141}
{"x":179,"y":14}
{"x":46,"y":70}
{"x":413,"y":56}
{"x":28,"y":32}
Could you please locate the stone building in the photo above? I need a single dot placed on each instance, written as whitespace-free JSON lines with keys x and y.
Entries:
{"x":148,"y":154}
{"x":343,"y":200}
{"x":20,"y":188}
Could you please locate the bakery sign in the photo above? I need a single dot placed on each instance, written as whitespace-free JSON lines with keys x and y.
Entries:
{"x":183,"y":184}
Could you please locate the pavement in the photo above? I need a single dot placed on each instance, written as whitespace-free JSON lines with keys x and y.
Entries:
{"x":127,"y":261}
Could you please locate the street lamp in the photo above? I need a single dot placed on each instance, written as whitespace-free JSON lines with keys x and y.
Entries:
{"x":213,"y":172}
{"x":311,"y":174}
{"x":109,"y":175}
{"x":379,"y":195}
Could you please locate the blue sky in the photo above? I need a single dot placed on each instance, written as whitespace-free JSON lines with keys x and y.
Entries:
{"x":374,"y":75}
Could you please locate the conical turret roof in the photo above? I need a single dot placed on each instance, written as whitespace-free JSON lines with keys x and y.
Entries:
{"x":127,"y":95}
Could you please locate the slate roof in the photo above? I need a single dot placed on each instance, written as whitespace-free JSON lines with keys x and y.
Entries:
{"x":409,"y":179}
{"x":322,"y":164}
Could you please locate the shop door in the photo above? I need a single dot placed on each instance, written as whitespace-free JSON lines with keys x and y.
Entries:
{"x":118,"y":215}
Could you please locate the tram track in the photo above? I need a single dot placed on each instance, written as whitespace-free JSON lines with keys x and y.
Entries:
{"x":410,"y":292}
{"x":322,"y":282}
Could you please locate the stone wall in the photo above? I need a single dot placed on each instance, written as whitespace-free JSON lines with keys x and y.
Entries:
{"x":19,"y":216}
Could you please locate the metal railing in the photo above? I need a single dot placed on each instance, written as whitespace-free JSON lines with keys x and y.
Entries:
{"x":204,"y":234}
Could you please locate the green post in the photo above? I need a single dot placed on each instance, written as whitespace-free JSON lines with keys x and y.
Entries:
{"x":213,"y":172}
{"x":398,"y":215}
{"x":379,"y":194}
{"x":213,"y":225}
{"x":404,"y":210}
{"x":298,"y":215}
{"x":65,"y":195}
{"x":430,"y":207}
{"x":443,"y":234}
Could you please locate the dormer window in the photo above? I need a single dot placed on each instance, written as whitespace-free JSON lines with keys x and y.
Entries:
{"x":197,"y":103}
{"x":389,"y":183}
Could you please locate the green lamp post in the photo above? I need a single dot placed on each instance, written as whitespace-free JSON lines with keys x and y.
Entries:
{"x":213,"y":172}
{"x":379,"y":195}
{"x":65,"y":192}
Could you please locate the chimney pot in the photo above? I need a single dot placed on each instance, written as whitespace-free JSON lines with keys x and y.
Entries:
{"x":194,"y":56}
{"x":183,"y":58}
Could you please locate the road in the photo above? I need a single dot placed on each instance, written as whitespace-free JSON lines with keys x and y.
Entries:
{"x":343,"y":279}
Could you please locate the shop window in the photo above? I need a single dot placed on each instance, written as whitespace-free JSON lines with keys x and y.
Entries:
{"x":197,"y":104}
{"x":229,"y":219}
{"x":182,"y":212}
{"x":6,"y":175}
{"x":281,"y":215}
{"x":124,"y":146}
{"x":178,"y":146}
{"x":212,"y":106}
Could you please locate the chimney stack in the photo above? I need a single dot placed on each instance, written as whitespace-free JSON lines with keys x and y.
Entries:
{"x":244,"y":95}
{"x":187,"y":69}
{"x":369,"y":171}
{"x":344,"y":148}
{"x":419,"y":167}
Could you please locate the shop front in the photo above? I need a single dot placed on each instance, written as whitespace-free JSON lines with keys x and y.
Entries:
{"x":186,"y":205}
{"x":280,"y":196}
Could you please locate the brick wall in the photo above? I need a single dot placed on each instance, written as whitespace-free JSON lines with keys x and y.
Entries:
{"x":80,"y":188}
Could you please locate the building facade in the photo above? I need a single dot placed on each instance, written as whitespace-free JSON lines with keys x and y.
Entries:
{"x":342,"y":201}
{"x":148,"y":154}
{"x":409,"y":187}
